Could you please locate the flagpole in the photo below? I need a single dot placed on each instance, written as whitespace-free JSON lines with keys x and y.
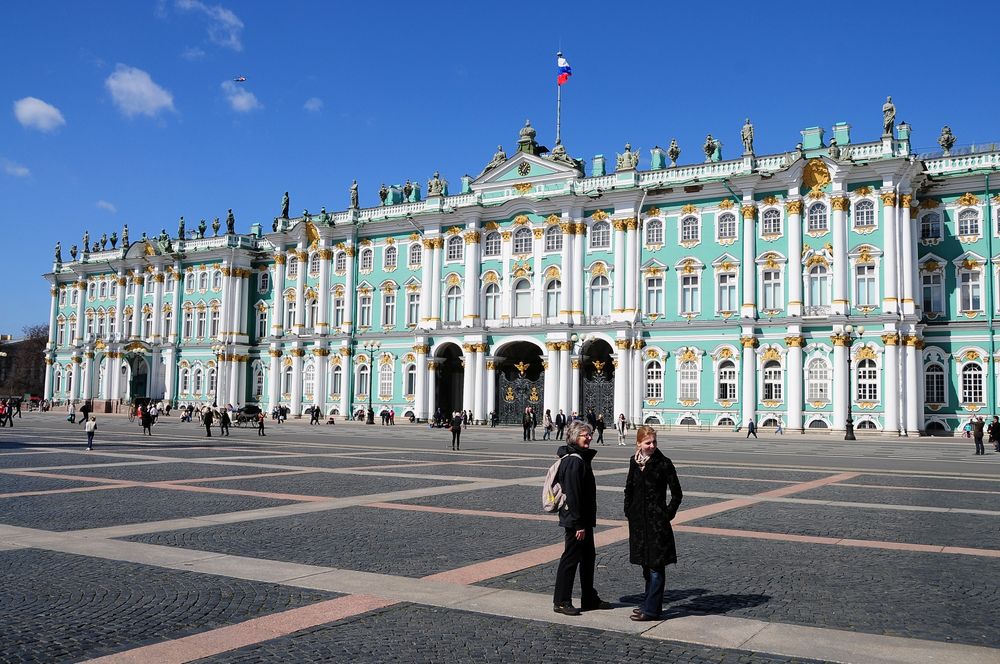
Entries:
{"x":558,"y":102}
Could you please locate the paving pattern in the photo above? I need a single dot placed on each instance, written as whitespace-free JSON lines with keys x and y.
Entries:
{"x":372,"y":544}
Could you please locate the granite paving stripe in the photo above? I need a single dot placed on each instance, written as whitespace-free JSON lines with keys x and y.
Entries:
{"x":475,"y":470}
{"x":57,"y":607}
{"x":120,"y":506}
{"x":317,"y":461}
{"x":907,"y":496}
{"x":166,"y":471}
{"x":695,"y":470}
{"x":54,"y":460}
{"x":11,"y":484}
{"x":737,"y":486}
{"x":216,"y":453}
{"x":326,"y":484}
{"x":929,"y":482}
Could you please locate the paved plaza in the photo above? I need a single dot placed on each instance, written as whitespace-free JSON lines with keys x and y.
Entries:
{"x":355,"y":543}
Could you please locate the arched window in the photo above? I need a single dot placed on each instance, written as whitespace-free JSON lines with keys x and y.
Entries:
{"x":185,"y":380}
{"x":654,"y":380}
{"x":492,"y":304}
{"x":727,"y":381}
{"x":211,"y":380}
{"x":147,"y":324}
{"x":258,"y":383}
{"x":389,"y":259}
{"x":818,"y":381}
{"x":456,"y":248}
{"x":523,"y":240}
{"x":771,"y":222}
{"x":217,"y":280}
{"x":867,"y":381}
{"x":817,"y":218}
{"x":453,"y":305}
{"x":202,"y":281}
{"x":104,"y":290}
{"x":189,"y":282}
{"x":819,"y":286}
{"x":293,"y":267}
{"x":385,"y":381}
{"x":553,"y":238}
{"x":600,"y":235}
{"x":337,"y":380}
{"x":654,"y":232}
{"x":196,"y":380}
{"x":688,"y":375}
{"x":314,"y":263}
{"x":312,"y":312}
{"x":416,"y":254}
{"x":968,"y":222}
{"x":867,"y":424}
{"x":289,"y":314}
{"x":410,"y":382}
{"x":309,"y":380}
{"x":340,"y":262}
{"x":522,"y":299}
{"x":934,"y":384}
{"x":264,"y":282}
{"x":262,"y":322}
{"x":864,"y":214}
{"x":366,"y":259}
{"x":727,"y":226}
{"x":364,"y":382}
{"x":930,"y":226}
{"x":690,"y":229}
{"x":552,"y":291}
{"x":286,"y":380}
{"x":213,"y":330}
{"x":201,"y":324}
{"x":972,"y":383}
{"x":188,"y":323}
{"x":600,"y":296}
{"x":772,"y":381}
{"x":491,"y":246}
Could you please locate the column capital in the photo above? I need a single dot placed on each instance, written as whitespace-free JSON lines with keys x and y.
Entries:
{"x":840,"y":339}
{"x":888,"y":199}
{"x":749,"y":211}
{"x":890,"y":338}
{"x":840,"y":203}
{"x":421,"y":349}
{"x":748,"y":341}
{"x":794,"y":341}
{"x":793,"y":207}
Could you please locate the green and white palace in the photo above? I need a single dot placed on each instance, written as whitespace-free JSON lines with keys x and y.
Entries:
{"x":839,"y":278}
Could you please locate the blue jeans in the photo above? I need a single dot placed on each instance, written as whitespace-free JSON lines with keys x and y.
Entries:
{"x":652,"y":603}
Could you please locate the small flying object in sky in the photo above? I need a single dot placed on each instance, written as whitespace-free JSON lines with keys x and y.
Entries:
{"x":240,"y":79}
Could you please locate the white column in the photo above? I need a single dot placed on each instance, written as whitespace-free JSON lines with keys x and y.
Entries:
{"x":552,"y":377}
{"x":115,"y":377}
{"x":491,"y":386}
{"x":88,"y":376}
{"x":841,"y":266}
{"x":77,"y":377}
{"x":626,"y":268}
{"x":636,"y":375}
{"x":278,"y":299}
{"x":296,"y":405}
{"x":891,"y":383}
{"x":426,"y":283}
{"x":120,"y":332}
{"x":420,"y":390}
{"x":346,"y":375}
{"x":136,"y":330}
{"x":81,"y":303}
{"x":620,"y":271}
{"x":435,"y":318}
{"x":173,"y":334}
{"x":478,"y":412}
{"x":749,"y":267}
{"x":915,"y":402}
{"x":235,"y":381}
{"x":841,"y":381}
{"x":470,"y":317}
{"x":274,"y":377}
{"x":793,"y":276}
{"x":537,"y":278}
{"x":621,"y":364}
{"x":323,"y":312}
{"x":225,"y":311}
{"x":748,"y":375}
{"x":565,"y":391}
{"x":170,"y":379}
{"x":890,"y":263}
{"x":300,"y":290}
{"x":468,"y":375}
{"x":567,"y":274}
{"x":431,"y":389}
{"x":53,"y":313}
{"x":909,"y":255}
{"x":320,"y":390}
{"x":574,"y":381}
{"x":578,"y":261}
{"x":350,"y":299}
{"x":47,"y":393}
{"x":793,"y":417}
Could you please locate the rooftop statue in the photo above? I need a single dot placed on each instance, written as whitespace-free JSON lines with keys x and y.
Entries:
{"x":628,"y":160}
{"x":58,"y":252}
{"x":354,"y":195}
{"x":230,"y":222}
{"x":284,"y":206}
{"x":674,"y":152}
{"x":274,"y":226}
{"x":709,"y":147}
{"x":72,"y":252}
{"x":104,"y":241}
{"x":324,"y":216}
{"x":216,"y":226}
{"x":86,"y":241}
{"x":436,"y":186}
{"x":834,"y":150}
{"x":559,"y":155}
{"x":407,"y":190}
{"x":164,"y":237}
{"x":202,"y":226}
{"x":124,"y":237}
{"x":946,"y":140}
{"x":95,"y":247}
{"x":747,"y":135}
{"x":499,"y":157}
{"x":114,"y":239}
{"x":888,"y":117}
{"x":180,"y":229}
{"x":383,"y":193}
{"x":144,"y":239}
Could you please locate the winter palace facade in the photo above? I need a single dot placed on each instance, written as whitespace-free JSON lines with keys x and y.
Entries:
{"x":775,"y":287}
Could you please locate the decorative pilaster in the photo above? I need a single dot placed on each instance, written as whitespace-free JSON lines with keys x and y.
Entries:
{"x":618,"y":285}
{"x":274,"y":378}
{"x":627,"y":270}
{"x":173,"y":334}
{"x":432,"y":368}
{"x":479,"y":413}
{"x":346,"y":376}
{"x":491,"y":386}
{"x":565,"y":393}
{"x":81,"y":303}
{"x":88,"y":376}
{"x":426,"y":285}
{"x":77,"y":377}
{"x":569,"y":276}
{"x":909,"y":255}
{"x":278,"y":298}
{"x":136,"y":332}
{"x":435,"y":317}
{"x":468,"y":375}
{"x":120,"y":332}
{"x":53,"y":314}
{"x":323,"y":312}
{"x":793,"y":211}
{"x":891,"y":383}
{"x":841,"y":380}
{"x":296,"y":405}
{"x":322,"y":361}
{"x":841,"y":266}
{"x":471,"y":315}
{"x":575,"y":383}
{"x":748,"y":374}
{"x":47,"y":390}
{"x":350,"y":299}
{"x":552,"y":377}
{"x":170,"y":379}
{"x":537,"y":276}
{"x":637,"y":376}
{"x":300,"y":290}
{"x":794,"y":400}
{"x":621,"y":367}
{"x":915,"y":397}
{"x":157,"y":332}
{"x":578,"y":266}
{"x":749,"y":267}
{"x":890,"y":299}
{"x":420,"y":390}
{"x":115,"y":367}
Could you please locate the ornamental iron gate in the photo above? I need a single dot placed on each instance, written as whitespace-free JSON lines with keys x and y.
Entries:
{"x":516,"y":394}
{"x":598,"y":391}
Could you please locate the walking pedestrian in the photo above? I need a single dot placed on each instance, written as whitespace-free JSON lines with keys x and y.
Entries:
{"x":778,"y":428}
{"x":577,"y":517}
{"x":90,"y":427}
{"x":526,"y":424}
{"x":224,"y":422}
{"x":560,"y":424}
{"x":600,"y":428}
{"x":650,"y":537}
{"x":751,"y":428}
{"x":456,"y":431}
{"x":977,"y":434}
{"x":494,"y":420}
{"x":392,"y":417}
{"x":71,"y":413}
{"x":547,"y":425}
{"x":621,"y":425}
{"x":84,"y":413}
{"x":207,"y":419}
{"x":994,"y":432}
{"x":146,"y":419}
{"x":314,"y":416}
{"x":534,"y":423}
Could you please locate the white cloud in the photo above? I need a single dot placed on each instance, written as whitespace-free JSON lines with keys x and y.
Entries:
{"x":192,"y":53}
{"x":36,"y":114}
{"x":240,"y":99}
{"x":14,"y":169}
{"x":224,"y":27}
{"x":313,"y":104}
{"x":104,"y":205}
{"x":135,"y":93}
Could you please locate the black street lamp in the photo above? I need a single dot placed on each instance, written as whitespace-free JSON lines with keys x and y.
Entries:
{"x":372,"y":347}
{"x":850,"y":334}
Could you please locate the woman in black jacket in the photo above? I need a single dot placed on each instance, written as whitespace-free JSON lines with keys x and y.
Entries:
{"x":651,"y":539}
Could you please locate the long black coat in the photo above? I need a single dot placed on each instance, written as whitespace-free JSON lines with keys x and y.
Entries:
{"x":650,"y":537}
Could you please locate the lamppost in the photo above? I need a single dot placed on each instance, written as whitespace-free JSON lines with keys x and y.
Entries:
{"x":372,"y":347}
{"x":850,"y":334}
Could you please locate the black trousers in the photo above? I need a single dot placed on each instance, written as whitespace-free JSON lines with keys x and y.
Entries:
{"x":456,"y":439}
{"x":527,"y":431}
{"x":577,"y":553}
{"x":559,"y":431}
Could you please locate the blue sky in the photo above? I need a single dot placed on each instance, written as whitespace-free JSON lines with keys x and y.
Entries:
{"x":124,"y":111}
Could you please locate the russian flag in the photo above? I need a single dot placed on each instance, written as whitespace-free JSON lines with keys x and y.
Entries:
{"x":565,"y":71}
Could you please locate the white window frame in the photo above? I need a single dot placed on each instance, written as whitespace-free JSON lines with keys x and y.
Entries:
{"x":690,"y":229}
{"x":364,"y":310}
{"x":385,"y":381}
{"x":866,"y":282}
{"x":689,"y":293}
{"x":770,"y":222}
{"x":688,"y":381}
{"x":968,"y":222}
{"x":600,"y":235}
{"x":654,"y":295}
{"x":654,"y":380}
{"x":415,"y":255}
{"x":970,"y":290}
{"x":600,"y":296}
{"x":491,"y":301}
{"x":455,"y":249}
{"x":818,"y":385}
{"x":553,"y":239}
{"x":866,"y":380}
{"x":553,"y":298}
{"x":390,"y":258}
{"x":930,"y":226}
{"x":772,"y":290}
{"x":492,"y":244}
{"x":522,"y":242}
{"x":865,"y":216}
{"x":413,"y":308}
{"x":367,"y":259}
{"x":818,"y":218}
{"x":726,"y":375}
{"x":654,"y":231}
{"x":772,"y":375}
{"x":721,"y":294}
{"x":453,"y":305}
{"x":520,"y":299}
{"x":935,"y":369}
{"x":934,"y":290}
{"x":388,"y":308}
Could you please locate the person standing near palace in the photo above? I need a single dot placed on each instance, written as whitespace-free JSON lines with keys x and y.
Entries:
{"x":650,"y":537}
{"x":526,"y":421}
{"x":621,"y":425}
{"x":260,"y":423}
{"x":977,"y":434}
{"x":207,"y":419}
{"x":547,"y":425}
{"x":560,"y":424}
{"x":224,"y":422}
{"x":90,"y":427}
{"x":994,"y":433}
{"x":146,"y":419}
{"x":456,"y":431}
{"x":751,"y":428}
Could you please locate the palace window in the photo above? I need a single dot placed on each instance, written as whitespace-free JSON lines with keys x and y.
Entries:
{"x":214,"y":327}
{"x":864,"y":214}
{"x":168,"y":323}
{"x":771,"y":222}
{"x":522,"y":241}
{"x":690,"y":294}
{"x":185,"y":381}
{"x":410,"y":381}
{"x":817,"y":218}
{"x":188,"y":323}
{"x":338,"y":310}
{"x":312,"y":313}
{"x":262,"y":323}
{"x":340,"y":262}
{"x":552,"y":293}
{"x":364,"y":382}
{"x":492,"y":296}
{"x":654,"y":295}
{"x":389,"y":258}
{"x":522,"y":299}
{"x":289,"y":314}
{"x":819,"y":286}
{"x":930,"y":226}
{"x":62,"y":298}
{"x":286,"y":380}
{"x":970,"y":291}
{"x":727,"y":226}
{"x":867,"y":381}
{"x":688,"y":385}
{"x":168,"y":285}
{"x":690,"y":229}
{"x":314,"y":263}
{"x":412,"y":308}
{"x":217,"y":280}
{"x":388,"y":309}
{"x":972,"y":383}
{"x":727,"y":381}
{"x":864,"y":286}
{"x":600,"y":296}
{"x":453,"y":305}
{"x":553,"y":238}
{"x":308,"y":380}
{"x":196,"y":381}
{"x":934,"y":384}
{"x":818,"y":381}
{"x":367,"y":259}
{"x":968,"y":223}
{"x":201,"y":323}
{"x":600,"y":235}
{"x":60,"y":333}
{"x":104,"y":290}
{"x":491,"y":246}
{"x":129,"y":290}
{"x":416,"y":256}
{"x":772,"y":290}
{"x":654,"y":232}
{"x":57,"y":381}
{"x":147,"y":285}
{"x":211,"y":381}
{"x":114,"y":291}
{"x":772,"y":381}
{"x":365,"y":310}
{"x":258,"y":383}
{"x":91,"y":290}
{"x":337,"y":381}
{"x":456,"y":248}
{"x":654,"y":380}
{"x":727,"y":292}
{"x":202,"y":282}
{"x":189,"y":282}
{"x":385,"y":381}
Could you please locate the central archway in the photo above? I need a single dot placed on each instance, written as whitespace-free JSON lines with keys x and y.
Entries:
{"x":451,"y":374}
{"x":520,"y":381}
{"x":597,"y":381}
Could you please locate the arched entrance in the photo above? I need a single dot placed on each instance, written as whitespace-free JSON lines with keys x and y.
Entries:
{"x":450,"y":376}
{"x":520,"y":381}
{"x":597,"y":380}
{"x":140,"y":378}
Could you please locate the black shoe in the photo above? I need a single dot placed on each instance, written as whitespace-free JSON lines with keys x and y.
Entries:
{"x":641,"y":617}
{"x":597,"y":605}
{"x":566,"y":608}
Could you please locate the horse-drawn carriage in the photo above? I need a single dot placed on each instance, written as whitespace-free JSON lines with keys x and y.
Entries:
{"x":246,"y":416}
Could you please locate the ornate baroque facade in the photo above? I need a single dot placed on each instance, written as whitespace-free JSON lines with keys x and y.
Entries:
{"x":686,"y":294}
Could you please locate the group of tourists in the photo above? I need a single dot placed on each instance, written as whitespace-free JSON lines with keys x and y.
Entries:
{"x":651,"y":476}
{"x":976,"y":427}
{"x":8,"y":409}
{"x":557,"y":424}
